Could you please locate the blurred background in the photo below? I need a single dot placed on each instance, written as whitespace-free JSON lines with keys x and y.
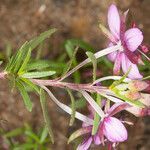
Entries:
{"x":21,"y":20}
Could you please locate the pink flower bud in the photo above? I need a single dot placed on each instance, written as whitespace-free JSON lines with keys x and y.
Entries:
{"x":138,"y":85}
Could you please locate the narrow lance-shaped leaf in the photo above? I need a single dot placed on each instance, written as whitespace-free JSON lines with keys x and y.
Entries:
{"x":71,"y":51}
{"x":78,"y":133}
{"x":26,"y":60}
{"x":45,"y":114}
{"x":8,"y":51}
{"x":31,"y":85}
{"x":96,"y":116}
{"x":39,"y":51}
{"x":16,"y":60}
{"x":43,"y":134}
{"x":25,"y":96}
{"x":37,"y":74}
{"x":43,"y":64}
{"x":73,"y":107}
{"x":14,"y":133}
{"x":32,"y":135}
{"x":71,"y":61}
{"x":20,"y":58}
{"x":39,"y":39}
{"x":94,"y":61}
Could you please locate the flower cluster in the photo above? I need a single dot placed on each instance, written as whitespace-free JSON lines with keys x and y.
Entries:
{"x":131,"y":39}
{"x":110,"y":129}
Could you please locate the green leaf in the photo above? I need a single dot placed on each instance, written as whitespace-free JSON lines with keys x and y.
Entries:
{"x":78,"y":133}
{"x":39,"y":51}
{"x":72,"y":60}
{"x":69,"y":48}
{"x":42,"y":64}
{"x":94,"y":61}
{"x":33,"y":136}
{"x":31,"y":85}
{"x":26,"y":60}
{"x":43,"y":135}
{"x":96,"y":117}
{"x":37,"y":74}
{"x":72,"y":107}
{"x":25,"y":96}
{"x":14,"y":132}
{"x":37,"y":40}
{"x":16,"y":60}
{"x":26,"y":146}
{"x":45,"y":114}
{"x":80,"y":103}
{"x":8,"y":51}
{"x":71,"y":51}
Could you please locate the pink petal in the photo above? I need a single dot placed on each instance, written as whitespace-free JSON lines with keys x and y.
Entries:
{"x":117,"y":107}
{"x":114,"y":21}
{"x":85,"y":145}
{"x":114,"y":130}
{"x":134,"y":72}
{"x":112,"y":56}
{"x":133,"y":38}
{"x":116,"y":69}
{"x":97,"y":140}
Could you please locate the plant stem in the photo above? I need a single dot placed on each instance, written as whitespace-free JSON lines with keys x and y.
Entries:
{"x":73,"y":86}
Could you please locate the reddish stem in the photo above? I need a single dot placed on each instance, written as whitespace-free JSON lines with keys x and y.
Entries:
{"x":73,"y":86}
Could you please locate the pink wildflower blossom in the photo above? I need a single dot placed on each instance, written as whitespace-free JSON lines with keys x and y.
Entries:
{"x":131,"y":39}
{"x":110,"y":129}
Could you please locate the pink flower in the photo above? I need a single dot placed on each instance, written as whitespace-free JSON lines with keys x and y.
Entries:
{"x":130,"y":39}
{"x":110,"y":129}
